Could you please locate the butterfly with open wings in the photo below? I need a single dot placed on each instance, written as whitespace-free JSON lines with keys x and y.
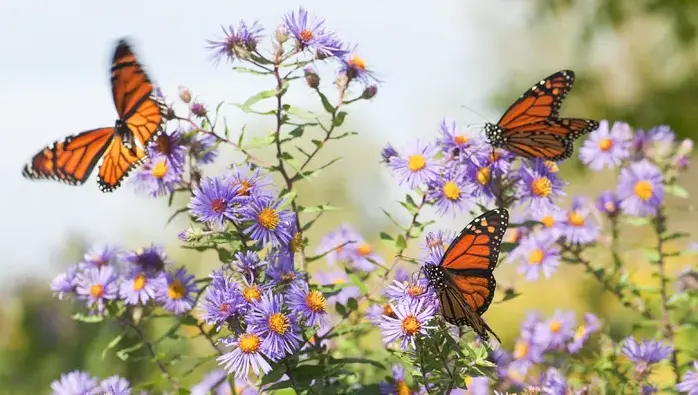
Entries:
{"x":118,"y":149}
{"x":464,"y":280}
{"x":531,"y":128}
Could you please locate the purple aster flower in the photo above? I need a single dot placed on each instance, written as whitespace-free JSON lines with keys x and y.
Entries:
{"x":362,"y":256}
{"x":641,"y":189}
{"x":75,"y":382}
{"x":608,"y":203}
{"x":176,"y":291}
{"x":269,"y":224}
{"x":99,"y":255}
{"x":247,"y":353}
{"x":452,"y":193}
{"x":65,"y":283}
{"x":309,"y":305}
{"x":538,"y":185}
{"x":139,"y":286}
{"x":531,"y":343}
{"x":223,"y":302}
{"x":478,"y":385}
{"x":375,"y":312}
{"x":157,"y":177}
{"x":689,"y":381}
{"x":553,"y":383}
{"x":501,"y":359}
{"x":648,"y":389}
{"x":591,"y":324}
{"x":410,"y":291}
{"x":215,"y":382}
{"x":395,"y":385}
{"x":388,"y":152}
{"x":333,"y":245}
{"x":452,"y":141}
{"x":171,"y":147}
{"x":115,"y":385}
{"x":279,"y":330}
{"x":203,"y":147}
{"x":553,"y":219}
{"x":480,"y":174}
{"x":655,"y":143}
{"x":560,"y":328}
{"x":215,"y":201}
{"x":497,"y":160}
{"x":401,"y":274}
{"x":248,"y":263}
{"x":98,"y":286}
{"x":416,"y":165}
{"x":152,"y":259}
{"x":281,"y":270}
{"x":252,"y":182}
{"x":236,"y":43}
{"x":411,"y":320}
{"x":198,"y":109}
{"x":313,"y":35}
{"x":536,"y":253}
{"x":338,"y":277}
{"x":252,"y":293}
{"x":580,"y":227}
{"x":606,"y":148}
{"x":645,"y":353}
{"x":435,"y":243}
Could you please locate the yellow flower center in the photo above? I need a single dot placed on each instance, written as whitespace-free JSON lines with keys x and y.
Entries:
{"x":468,"y":381}
{"x":643,"y":189}
{"x":551,"y":166}
{"x":414,"y":290}
{"x":268,"y":218}
{"x":401,"y":388}
{"x":245,"y":186}
{"x":580,"y":332}
{"x":416,"y":162}
{"x":316,"y":301}
{"x":460,"y":139}
{"x":306,"y":35}
{"x":278,"y":323}
{"x":483,"y":175}
{"x":139,"y":282}
{"x":410,"y":325}
{"x":251,"y":293}
{"x":536,"y":257}
{"x":97,"y":290}
{"x":542,"y":187}
{"x":605,"y":144}
{"x":548,"y":221}
{"x":555,"y":326}
{"x":388,"y":310}
{"x":357,"y":63}
{"x":610,"y":207}
{"x":575,"y":219}
{"x":451,"y":190}
{"x":364,"y":249}
{"x":176,"y":290}
{"x":159,"y":170}
{"x":521,"y":349}
{"x":249,"y":343}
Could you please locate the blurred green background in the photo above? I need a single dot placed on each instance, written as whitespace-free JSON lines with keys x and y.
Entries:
{"x":636,"y":60}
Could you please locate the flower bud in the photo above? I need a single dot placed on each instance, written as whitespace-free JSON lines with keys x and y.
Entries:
{"x":198,"y":109}
{"x":369,"y":92}
{"x":281,"y":34}
{"x":311,"y":77}
{"x":184,"y":94}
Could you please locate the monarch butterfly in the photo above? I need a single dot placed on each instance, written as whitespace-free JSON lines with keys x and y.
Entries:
{"x":531,"y":128}
{"x":463,"y":280}
{"x":141,"y":118}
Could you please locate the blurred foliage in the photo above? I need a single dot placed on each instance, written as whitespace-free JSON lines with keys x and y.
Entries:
{"x":656,"y":44}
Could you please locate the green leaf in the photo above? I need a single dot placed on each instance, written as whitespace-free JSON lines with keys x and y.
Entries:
{"x":344,"y":361}
{"x":247,"y":105}
{"x":340,"y":309}
{"x":675,"y":235}
{"x":287,"y":198}
{"x":511,"y":295}
{"x":123,"y":354}
{"x":393,"y":220}
{"x":188,"y":320}
{"x":277,"y":371}
{"x":242,"y":135}
{"x":400,"y":243}
{"x":637,"y":221}
{"x":339,"y":118}
{"x":385,"y":236}
{"x":318,"y":208}
{"x":652,"y":255}
{"x":87,"y":318}
{"x":326,"y":103}
{"x":224,"y":255}
{"x":507,"y":247}
{"x":261,"y":141}
{"x":298,"y":131}
{"x":251,"y":71}
{"x":677,"y":190}
{"x":112,"y":344}
{"x":301,"y":113}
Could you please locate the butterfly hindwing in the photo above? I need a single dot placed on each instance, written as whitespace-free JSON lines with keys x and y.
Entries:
{"x":117,"y":162}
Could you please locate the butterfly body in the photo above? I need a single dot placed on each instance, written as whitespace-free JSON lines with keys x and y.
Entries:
{"x":115,"y":150}
{"x":531,"y":127}
{"x":464,"y":280}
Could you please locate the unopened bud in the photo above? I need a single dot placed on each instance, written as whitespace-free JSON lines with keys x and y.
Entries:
{"x":281,"y":34}
{"x":369,"y":92}
{"x":198,"y":109}
{"x":311,"y":77}
{"x":184,"y":94}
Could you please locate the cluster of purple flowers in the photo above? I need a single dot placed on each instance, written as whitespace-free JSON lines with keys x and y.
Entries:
{"x":108,"y":275}
{"x":77,"y":382}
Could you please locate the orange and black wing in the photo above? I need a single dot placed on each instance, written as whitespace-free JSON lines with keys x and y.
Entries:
{"x":117,"y":162}
{"x":138,"y":107}
{"x":539,"y":103}
{"x":456,"y":311}
{"x":550,"y":139}
{"x":72,"y":160}
{"x":472,"y":257}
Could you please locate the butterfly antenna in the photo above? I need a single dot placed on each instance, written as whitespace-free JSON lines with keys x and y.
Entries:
{"x":476,"y":113}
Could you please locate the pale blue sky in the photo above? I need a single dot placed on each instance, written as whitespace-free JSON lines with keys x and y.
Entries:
{"x":433,"y":56}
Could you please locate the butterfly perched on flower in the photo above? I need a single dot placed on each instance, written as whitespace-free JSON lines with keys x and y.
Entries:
{"x":118,"y":149}
{"x":464,"y":279}
{"x":531,"y":127}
